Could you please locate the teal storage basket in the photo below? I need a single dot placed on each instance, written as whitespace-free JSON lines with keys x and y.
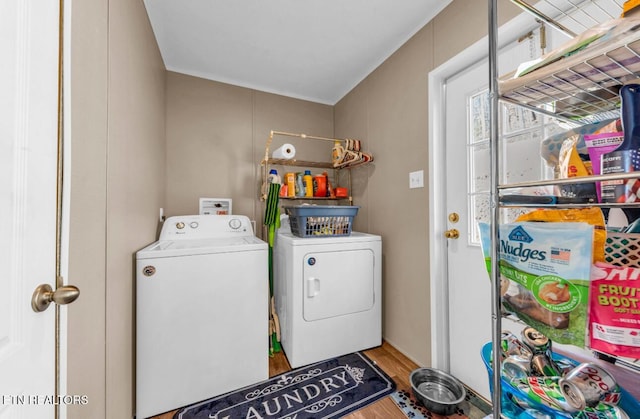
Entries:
{"x":514,"y":410}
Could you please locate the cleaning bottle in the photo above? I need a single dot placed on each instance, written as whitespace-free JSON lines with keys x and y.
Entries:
{"x":299,"y":185}
{"x":320,"y":185}
{"x":308,"y":183}
{"x":336,"y":153}
{"x":290,"y":178}
{"x":273,"y":177}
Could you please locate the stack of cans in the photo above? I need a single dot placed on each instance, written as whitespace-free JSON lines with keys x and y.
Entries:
{"x":585,"y":391}
{"x":541,"y":362}
{"x":530,"y":356}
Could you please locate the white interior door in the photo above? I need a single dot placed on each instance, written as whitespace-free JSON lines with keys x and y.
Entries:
{"x":28,"y":150}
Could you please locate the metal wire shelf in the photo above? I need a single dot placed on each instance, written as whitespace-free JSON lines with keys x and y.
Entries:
{"x":572,"y":17}
{"x":582,"y":85}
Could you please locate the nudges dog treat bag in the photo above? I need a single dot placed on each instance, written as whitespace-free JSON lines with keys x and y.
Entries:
{"x":544,"y":275}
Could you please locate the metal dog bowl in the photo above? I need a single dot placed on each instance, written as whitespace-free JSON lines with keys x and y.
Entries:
{"x":438,"y":391}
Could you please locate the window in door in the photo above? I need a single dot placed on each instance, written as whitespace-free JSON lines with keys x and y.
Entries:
{"x":521,"y":132}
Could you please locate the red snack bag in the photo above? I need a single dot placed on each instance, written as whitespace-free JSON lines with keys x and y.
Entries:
{"x":614,"y":310}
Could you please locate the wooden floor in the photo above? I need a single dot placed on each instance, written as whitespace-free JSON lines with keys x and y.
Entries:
{"x":389,"y":359}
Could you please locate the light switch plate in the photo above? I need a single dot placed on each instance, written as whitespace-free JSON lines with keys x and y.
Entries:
{"x":416,"y":179}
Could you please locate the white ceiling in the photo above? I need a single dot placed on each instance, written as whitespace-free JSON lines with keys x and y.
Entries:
{"x":316,"y":50}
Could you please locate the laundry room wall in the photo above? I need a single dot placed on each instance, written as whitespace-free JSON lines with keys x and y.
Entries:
{"x":125,"y":166}
{"x":87,"y":233}
{"x":389,"y":111}
{"x":117,"y":187}
{"x":216,"y":138}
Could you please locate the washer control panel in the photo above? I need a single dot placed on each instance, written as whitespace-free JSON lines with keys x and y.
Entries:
{"x":205,"y":226}
{"x":235,"y":223}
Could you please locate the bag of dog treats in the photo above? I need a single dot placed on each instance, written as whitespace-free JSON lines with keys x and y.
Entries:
{"x":614,"y":310}
{"x":591,"y":215}
{"x":544,"y":275}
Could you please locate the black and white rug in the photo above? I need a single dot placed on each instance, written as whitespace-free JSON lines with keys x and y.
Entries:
{"x":328,"y":389}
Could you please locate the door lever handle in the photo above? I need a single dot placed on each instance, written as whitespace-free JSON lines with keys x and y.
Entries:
{"x":45,"y":295}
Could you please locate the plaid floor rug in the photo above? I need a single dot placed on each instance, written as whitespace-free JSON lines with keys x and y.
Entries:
{"x":328,"y":389}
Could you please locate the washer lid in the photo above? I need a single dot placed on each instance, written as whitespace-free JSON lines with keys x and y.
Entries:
{"x":170,"y":248}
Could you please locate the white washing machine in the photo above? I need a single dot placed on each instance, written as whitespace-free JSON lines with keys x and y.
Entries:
{"x":328,"y":294}
{"x":202,"y":312}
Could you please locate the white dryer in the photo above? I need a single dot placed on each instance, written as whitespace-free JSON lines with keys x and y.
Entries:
{"x":202,"y":312}
{"x":328,"y":294}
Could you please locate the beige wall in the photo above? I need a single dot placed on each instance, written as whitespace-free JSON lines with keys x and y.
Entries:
{"x":87,"y":263}
{"x":127,"y":162}
{"x":216,"y":138}
{"x":117,"y":187}
{"x":389,"y":111}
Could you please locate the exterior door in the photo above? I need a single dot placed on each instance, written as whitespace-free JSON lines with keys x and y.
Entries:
{"x":467,"y":203}
{"x":469,"y":287}
{"x":28,"y":156}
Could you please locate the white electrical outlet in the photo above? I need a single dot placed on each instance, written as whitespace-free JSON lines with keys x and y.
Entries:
{"x":416,"y":179}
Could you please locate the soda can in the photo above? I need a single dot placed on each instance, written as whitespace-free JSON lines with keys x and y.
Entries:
{"x":543,"y":390}
{"x":511,"y":345}
{"x":536,"y":341}
{"x":515,"y":367}
{"x":565,"y":365}
{"x":602,"y":411}
{"x":544,"y":366}
{"x":588,"y":384}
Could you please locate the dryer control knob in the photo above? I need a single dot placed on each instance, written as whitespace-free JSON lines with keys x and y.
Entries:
{"x":193,"y":224}
{"x":235,"y":223}
{"x":180,"y":225}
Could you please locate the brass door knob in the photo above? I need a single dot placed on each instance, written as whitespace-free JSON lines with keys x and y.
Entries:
{"x":452,"y":234}
{"x":45,"y":295}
